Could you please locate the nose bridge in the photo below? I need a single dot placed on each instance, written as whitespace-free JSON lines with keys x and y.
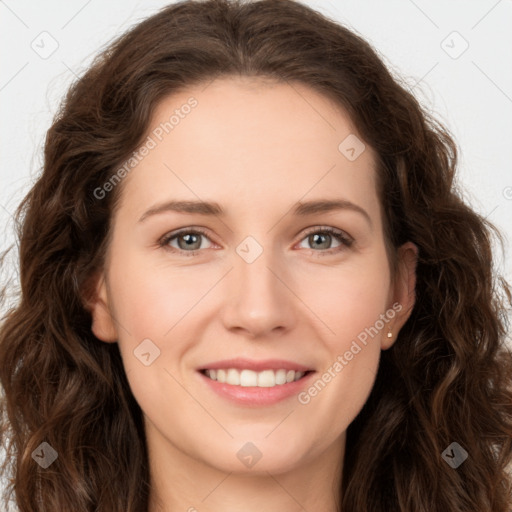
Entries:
{"x":259,"y":300}
{"x":253,"y":281}
{"x":253,"y":269}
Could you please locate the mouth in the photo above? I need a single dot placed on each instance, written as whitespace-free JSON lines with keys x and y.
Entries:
{"x":268,"y":378}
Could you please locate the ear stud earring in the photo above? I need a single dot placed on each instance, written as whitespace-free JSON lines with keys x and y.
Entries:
{"x":390,"y":334}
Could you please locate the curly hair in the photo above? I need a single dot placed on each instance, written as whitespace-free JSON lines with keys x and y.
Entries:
{"x":447,"y":378}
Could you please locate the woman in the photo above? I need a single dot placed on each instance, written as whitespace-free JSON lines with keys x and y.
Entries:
{"x":182,"y":342}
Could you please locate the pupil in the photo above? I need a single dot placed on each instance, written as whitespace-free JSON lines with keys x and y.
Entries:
{"x":317,"y":236}
{"x":190,"y":239}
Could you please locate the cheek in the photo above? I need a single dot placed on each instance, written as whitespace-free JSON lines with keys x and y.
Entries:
{"x":150,"y":299}
{"x":349,"y":300}
{"x":354,"y":314}
{"x":339,"y":394}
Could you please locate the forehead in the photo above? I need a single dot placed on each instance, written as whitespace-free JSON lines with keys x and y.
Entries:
{"x":247,"y":142}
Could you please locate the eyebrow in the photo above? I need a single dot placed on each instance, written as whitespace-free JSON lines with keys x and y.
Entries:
{"x":302,"y":209}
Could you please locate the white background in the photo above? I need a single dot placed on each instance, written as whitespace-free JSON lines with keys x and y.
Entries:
{"x":471,"y":94}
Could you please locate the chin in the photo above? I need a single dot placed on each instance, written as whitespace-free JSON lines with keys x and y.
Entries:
{"x":259,"y":456}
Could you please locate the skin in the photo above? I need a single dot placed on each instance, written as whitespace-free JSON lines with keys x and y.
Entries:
{"x":256,"y":148}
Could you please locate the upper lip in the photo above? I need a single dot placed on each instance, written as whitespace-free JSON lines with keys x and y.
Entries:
{"x":257,"y":366}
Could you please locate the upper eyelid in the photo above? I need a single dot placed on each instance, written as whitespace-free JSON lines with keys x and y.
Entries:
{"x":338,"y":231}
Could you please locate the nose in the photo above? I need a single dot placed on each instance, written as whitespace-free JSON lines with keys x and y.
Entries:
{"x":260,"y":298}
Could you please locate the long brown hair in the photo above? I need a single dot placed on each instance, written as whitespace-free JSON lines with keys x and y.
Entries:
{"x":448,"y":377}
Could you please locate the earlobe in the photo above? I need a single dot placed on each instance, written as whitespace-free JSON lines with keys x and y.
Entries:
{"x":102,"y":326}
{"x":404,"y":291}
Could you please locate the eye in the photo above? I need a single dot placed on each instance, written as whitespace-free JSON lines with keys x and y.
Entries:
{"x":320,"y":238}
{"x":188,"y":240}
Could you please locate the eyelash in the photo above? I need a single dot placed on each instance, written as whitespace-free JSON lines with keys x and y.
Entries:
{"x":339,"y":235}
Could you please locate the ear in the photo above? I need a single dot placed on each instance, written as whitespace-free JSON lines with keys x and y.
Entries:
{"x":97,"y":303}
{"x":403,"y":292}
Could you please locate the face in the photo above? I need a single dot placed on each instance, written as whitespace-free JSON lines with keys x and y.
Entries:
{"x":266,"y":286}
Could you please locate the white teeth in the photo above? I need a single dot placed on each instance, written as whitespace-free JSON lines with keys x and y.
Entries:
{"x":281,"y":377}
{"x":250,"y":378}
{"x":266,"y":379}
{"x":247,"y":378}
{"x":233,"y":377}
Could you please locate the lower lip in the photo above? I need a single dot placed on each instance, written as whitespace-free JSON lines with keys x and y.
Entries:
{"x":254,"y":395}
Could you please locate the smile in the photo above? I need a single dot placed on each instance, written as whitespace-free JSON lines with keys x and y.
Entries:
{"x":250,"y":378}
